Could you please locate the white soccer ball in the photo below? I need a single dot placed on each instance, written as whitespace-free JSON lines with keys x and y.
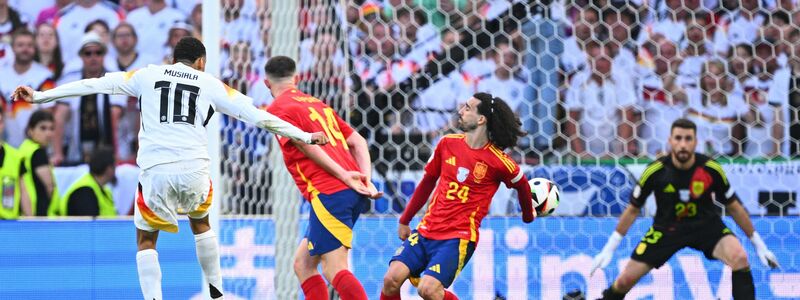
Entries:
{"x":545,"y":196}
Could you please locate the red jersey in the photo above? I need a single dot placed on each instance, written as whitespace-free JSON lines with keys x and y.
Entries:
{"x":312,"y":115}
{"x":468,"y":179}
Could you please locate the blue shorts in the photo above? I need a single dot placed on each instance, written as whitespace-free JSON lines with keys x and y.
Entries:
{"x":442,"y":259}
{"x":331,"y":220}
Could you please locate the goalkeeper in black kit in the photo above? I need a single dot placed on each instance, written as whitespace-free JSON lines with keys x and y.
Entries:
{"x":685,"y":184}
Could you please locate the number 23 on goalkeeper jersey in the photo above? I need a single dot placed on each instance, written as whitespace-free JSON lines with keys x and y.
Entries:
{"x":468,"y":179}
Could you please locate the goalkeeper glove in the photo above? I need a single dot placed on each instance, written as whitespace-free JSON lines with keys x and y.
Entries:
{"x":602,"y":259}
{"x":764,"y":255}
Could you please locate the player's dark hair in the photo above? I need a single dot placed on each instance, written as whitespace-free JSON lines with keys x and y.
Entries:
{"x":188,"y":50}
{"x":280,"y":67}
{"x":37,"y":117}
{"x":684,"y":124}
{"x":101,"y":159}
{"x":503,"y":125}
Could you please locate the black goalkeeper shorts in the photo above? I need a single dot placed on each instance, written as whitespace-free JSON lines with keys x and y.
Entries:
{"x":659,"y":244}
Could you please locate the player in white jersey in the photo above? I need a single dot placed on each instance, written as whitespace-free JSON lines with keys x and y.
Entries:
{"x":176,"y":103}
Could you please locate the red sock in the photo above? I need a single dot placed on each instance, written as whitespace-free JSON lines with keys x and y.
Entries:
{"x":449,"y":296}
{"x":348,"y":286}
{"x":314,"y":288}
{"x":395,"y":297}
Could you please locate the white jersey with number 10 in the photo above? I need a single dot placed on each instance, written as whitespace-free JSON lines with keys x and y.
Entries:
{"x":176,"y":103}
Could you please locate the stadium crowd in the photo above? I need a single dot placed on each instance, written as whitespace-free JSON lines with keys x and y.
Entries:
{"x":599,"y":79}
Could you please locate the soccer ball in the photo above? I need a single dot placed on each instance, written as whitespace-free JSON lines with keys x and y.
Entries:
{"x":545,"y":196}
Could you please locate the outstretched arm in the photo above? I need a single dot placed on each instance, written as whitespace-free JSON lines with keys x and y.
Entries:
{"x":117,"y":83}
{"x":233,"y":103}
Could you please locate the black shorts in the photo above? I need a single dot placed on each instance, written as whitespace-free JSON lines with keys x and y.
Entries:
{"x":659,"y":244}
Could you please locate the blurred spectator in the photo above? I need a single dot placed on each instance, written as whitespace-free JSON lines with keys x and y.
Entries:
{"x":597,"y":98}
{"x":238,"y":24}
{"x":10,"y":21}
{"x":124,"y":38}
{"x":503,"y":82}
{"x":239,"y":73}
{"x":48,"y":51}
{"x":47,"y":15}
{"x":15,"y":200}
{"x":786,"y":89}
{"x":29,"y":9}
{"x":418,"y":38}
{"x":196,"y":20}
{"x":185,"y":6}
{"x":583,"y":30}
{"x":24,"y":71}
{"x":89,"y":196}
{"x":740,"y":61}
{"x":545,"y":36}
{"x":380,"y":66}
{"x":444,"y":13}
{"x":130,"y":5}
{"x":435,"y":106}
{"x":102,"y":30}
{"x":323,"y":76}
{"x":717,"y":107}
{"x":664,"y":100}
{"x":671,"y":23}
{"x":86,"y":123}
{"x":695,"y":50}
{"x":38,"y":176}
{"x":620,"y":24}
{"x":154,"y":21}
{"x":765,"y":120}
{"x":178,"y":31}
{"x":739,"y":26}
{"x":72,"y":20}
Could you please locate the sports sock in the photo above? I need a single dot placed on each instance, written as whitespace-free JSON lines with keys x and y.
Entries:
{"x":449,"y":296}
{"x":385,"y":297}
{"x":314,"y":288}
{"x":348,"y":286}
{"x":743,"y":288}
{"x":149,"y":274}
{"x":208,"y":256}
{"x":611,"y":294}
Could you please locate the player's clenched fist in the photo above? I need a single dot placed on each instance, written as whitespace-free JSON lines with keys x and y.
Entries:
{"x":22,"y":93}
{"x":319,"y":138}
{"x":403,"y":231}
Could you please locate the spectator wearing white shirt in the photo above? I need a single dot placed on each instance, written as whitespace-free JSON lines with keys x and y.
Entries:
{"x":85,"y":123}
{"x":584,"y":27}
{"x":419,"y":39}
{"x":10,"y":20}
{"x":125,"y":38}
{"x":785,"y":89}
{"x":178,"y":31}
{"x":663,"y":100}
{"x":764,"y":120}
{"x":29,"y":9}
{"x":71,"y":21}
{"x":48,"y":51}
{"x":23,"y":71}
{"x":502,"y":82}
{"x":741,"y":26}
{"x":154,"y":21}
{"x":671,"y":22}
{"x":717,"y":107}
{"x":238,"y":23}
{"x":597,"y":99}
{"x":695,"y":50}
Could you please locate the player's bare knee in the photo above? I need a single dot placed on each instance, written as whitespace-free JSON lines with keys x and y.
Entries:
{"x":199,"y":226}
{"x":429,"y":289}
{"x":739,"y":260}
{"x":391,"y":284}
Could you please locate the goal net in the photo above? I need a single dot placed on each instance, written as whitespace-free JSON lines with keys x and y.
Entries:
{"x":596,"y":85}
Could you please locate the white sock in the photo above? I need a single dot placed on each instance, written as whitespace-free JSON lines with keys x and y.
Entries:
{"x":149,"y":274}
{"x":208,"y":255}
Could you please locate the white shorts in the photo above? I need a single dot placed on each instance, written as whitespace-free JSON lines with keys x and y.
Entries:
{"x":167,"y":190}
